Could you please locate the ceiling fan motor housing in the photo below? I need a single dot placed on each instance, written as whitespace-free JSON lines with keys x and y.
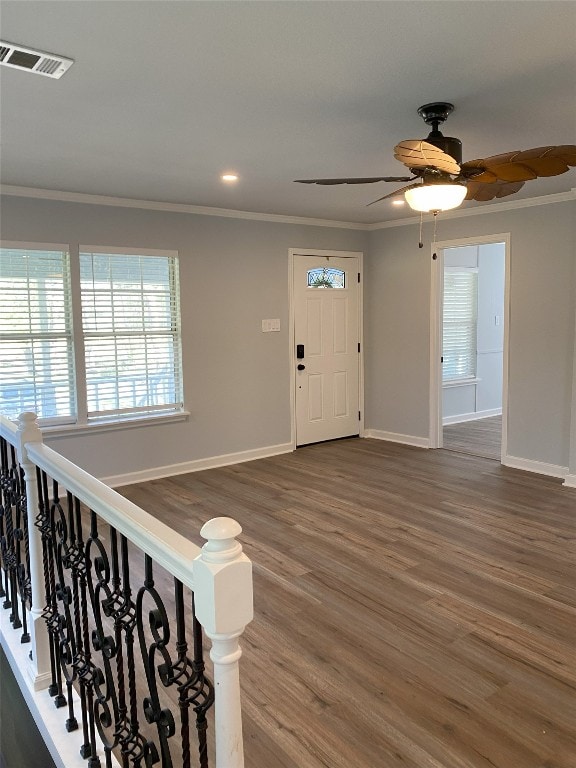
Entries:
{"x":434,"y":114}
{"x":448,"y":144}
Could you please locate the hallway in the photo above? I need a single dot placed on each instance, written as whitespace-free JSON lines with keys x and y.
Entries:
{"x":482,"y":437}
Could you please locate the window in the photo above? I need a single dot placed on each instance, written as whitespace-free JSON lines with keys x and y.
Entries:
{"x":324,"y":277}
{"x":459,"y":323}
{"x":36,"y":352}
{"x":120,"y":358}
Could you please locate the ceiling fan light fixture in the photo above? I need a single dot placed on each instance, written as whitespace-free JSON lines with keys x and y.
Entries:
{"x":435,"y":197}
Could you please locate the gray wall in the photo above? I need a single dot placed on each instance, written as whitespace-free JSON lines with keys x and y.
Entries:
{"x":543,"y":262}
{"x":233,"y":274}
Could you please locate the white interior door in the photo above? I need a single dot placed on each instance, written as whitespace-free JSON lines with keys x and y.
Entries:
{"x":327,"y":343}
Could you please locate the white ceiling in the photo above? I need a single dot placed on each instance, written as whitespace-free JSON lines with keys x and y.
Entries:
{"x":165,"y":96}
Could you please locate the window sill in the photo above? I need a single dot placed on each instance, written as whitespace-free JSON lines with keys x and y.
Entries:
{"x":112,"y":426}
{"x":460,"y":382}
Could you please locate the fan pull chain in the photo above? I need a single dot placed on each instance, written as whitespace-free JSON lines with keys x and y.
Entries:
{"x":435,"y":223}
{"x":420,"y":243}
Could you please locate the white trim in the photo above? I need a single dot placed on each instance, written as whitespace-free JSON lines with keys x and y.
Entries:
{"x":292,"y":254}
{"x":29,"y":246}
{"x":55,"y":432}
{"x":64,"y":746}
{"x":196,"y":465}
{"x":509,"y":205}
{"x":395,"y":437}
{"x":539,"y":467}
{"x":113,"y":250}
{"x":436,"y":294}
{"x":570,"y":481}
{"x":449,"y":383}
{"x":149,"y":205}
{"x":476,"y":416}
{"x":201,"y":210}
{"x":435,"y":383}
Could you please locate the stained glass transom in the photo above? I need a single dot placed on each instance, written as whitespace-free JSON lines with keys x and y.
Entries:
{"x":326,"y":277}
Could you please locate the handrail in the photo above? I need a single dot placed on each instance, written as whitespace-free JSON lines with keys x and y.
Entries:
{"x":8,"y":429}
{"x":167,"y":547}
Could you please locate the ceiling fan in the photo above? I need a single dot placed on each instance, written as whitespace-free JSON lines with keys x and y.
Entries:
{"x":443,"y":181}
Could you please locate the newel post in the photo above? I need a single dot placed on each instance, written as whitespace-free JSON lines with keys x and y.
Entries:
{"x":223,"y":600}
{"x":29,"y":432}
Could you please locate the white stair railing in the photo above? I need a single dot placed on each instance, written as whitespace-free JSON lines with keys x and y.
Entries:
{"x":78,"y":556}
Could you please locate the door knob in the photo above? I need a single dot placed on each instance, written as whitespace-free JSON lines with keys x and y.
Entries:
{"x":301,"y":367}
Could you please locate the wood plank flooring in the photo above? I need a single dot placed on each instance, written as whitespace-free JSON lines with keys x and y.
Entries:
{"x":414,"y":609}
{"x":482,"y":437}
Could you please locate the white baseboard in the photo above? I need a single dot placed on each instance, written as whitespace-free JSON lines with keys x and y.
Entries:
{"x":540,"y":467}
{"x":461,"y":417}
{"x":395,"y":437}
{"x":570,"y":481}
{"x":212,"y":462}
{"x":64,"y":746}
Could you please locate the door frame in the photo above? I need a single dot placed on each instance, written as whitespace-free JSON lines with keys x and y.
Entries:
{"x":294,"y":253}
{"x":435,"y":435}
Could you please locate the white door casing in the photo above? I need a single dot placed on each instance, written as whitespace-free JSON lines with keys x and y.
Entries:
{"x":435,"y":436}
{"x":327,"y":323}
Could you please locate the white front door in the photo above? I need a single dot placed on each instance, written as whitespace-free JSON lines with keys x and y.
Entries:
{"x":327,"y":347}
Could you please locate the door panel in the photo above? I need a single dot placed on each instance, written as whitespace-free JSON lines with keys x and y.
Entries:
{"x":326,"y":323}
{"x":315,"y":397}
{"x":339,"y":325}
{"x":314,"y":331}
{"x":341,"y":399}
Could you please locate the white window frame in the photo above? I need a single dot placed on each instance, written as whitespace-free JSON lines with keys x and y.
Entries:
{"x":80,"y":422}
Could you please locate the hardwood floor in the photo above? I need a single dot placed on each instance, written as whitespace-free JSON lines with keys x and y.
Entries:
{"x":482,"y":437}
{"x":414,"y":609}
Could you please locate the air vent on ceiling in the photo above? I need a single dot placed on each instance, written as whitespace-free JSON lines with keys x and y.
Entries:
{"x":30,"y":60}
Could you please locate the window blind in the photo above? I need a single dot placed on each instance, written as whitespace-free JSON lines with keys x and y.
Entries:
{"x":130,"y":319}
{"x":36,"y":345}
{"x":460,"y":320}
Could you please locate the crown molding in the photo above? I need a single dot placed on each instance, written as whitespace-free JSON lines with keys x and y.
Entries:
{"x":201,"y":210}
{"x":149,"y":205}
{"x":508,"y":205}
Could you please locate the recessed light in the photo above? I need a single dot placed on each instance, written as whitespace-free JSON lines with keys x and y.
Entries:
{"x":229,"y":177}
{"x":398,"y":202}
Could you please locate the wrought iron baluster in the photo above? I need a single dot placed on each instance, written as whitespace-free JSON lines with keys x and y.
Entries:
{"x":126,"y":624}
{"x":103,"y":711}
{"x":194,"y":688}
{"x":13,"y":536}
{"x":7,"y":541}
{"x":23,"y":554}
{"x":14,"y":559}
{"x":3,"y":477}
{"x":160,"y":631}
{"x":66,"y":563}
{"x":5,"y":530}
{"x":44,"y":526}
{"x":55,"y":624}
{"x":80,"y":610}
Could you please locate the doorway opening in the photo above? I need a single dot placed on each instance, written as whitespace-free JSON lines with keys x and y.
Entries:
{"x":469,"y":346}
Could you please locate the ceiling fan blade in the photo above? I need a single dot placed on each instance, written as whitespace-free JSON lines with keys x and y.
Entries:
{"x":328,"y":182}
{"x":396,"y":192}
{"x":415,"y":153}
{"x":521,"y":166}
{"x":480,"y":191}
